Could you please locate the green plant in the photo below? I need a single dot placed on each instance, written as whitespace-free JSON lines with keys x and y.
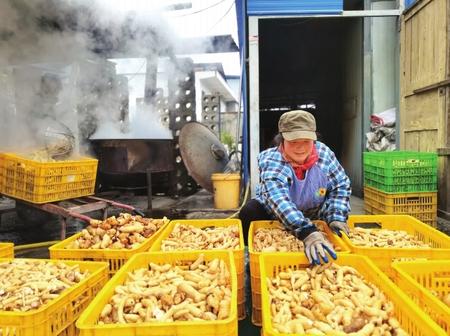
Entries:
{"x":227,"y":139}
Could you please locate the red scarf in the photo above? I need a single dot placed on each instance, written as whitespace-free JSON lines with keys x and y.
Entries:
{"x":300,"y":169}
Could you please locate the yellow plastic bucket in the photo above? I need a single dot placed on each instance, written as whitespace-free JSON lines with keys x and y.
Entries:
{"x":226,"y":190}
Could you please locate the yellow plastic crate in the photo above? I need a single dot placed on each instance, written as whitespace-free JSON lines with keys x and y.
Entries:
{"x":383,"y":257}
{"x":59,"y":315}
{"x":42,"y":182}
{"x":115,"y":258}
{"x":422,"y":205}
{"x":418,"y":278}
{"x":1,"y":173}
{"x":6,"y":250}
{"x":254,"y":259}
{"x":257,"y":314}
{"x":228,"y":327}
{"x":238,"y":254}
{"x":241,"y":309}
{"x":411,"y":318}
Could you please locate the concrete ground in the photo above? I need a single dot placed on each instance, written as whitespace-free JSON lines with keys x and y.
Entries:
{"x":357,"y":205}
{"x":22,"y":230}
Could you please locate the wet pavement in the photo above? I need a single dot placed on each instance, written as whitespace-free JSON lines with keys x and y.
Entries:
{"x":28,"y":226}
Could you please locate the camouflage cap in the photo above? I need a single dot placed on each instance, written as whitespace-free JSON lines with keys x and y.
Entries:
{"x":297,"y":124}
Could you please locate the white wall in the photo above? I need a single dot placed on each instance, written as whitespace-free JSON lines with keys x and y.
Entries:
{"x":384,"y":38}
{"x":234,"y":85}
{"x":353,"y":137}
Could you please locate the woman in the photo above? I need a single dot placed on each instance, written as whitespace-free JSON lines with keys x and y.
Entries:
{"x":301,"y":180}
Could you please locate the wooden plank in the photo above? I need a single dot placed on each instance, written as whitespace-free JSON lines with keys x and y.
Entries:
{"x":422,"y":140}
{"x":416,"y":9}
{"x":442,"y":103}
{"x":423,"y":111}
{"x":407,"y":45}
{"x":428,"y":140}
{"x":447,"y":108}
{"x":433,"y":86}
{"x":425,"y":92}
{"x":447,"y":40}
{"x":411,"y":141}
{"x":443,"y":151}
{"x":425,"y":51}
{"x":405,"y":74}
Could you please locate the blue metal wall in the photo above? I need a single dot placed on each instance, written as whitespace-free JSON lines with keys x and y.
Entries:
{"x":241,"y":10}
{"x":293,"y":7}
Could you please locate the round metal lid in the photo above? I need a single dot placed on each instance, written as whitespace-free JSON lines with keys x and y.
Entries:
{"x":202,"y":152}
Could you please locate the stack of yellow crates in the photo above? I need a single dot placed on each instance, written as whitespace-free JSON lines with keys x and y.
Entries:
{"x":401,"y":183}
{"x":43,"y":182}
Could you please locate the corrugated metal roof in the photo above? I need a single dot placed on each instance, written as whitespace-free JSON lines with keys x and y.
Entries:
{"x":293,"y":7}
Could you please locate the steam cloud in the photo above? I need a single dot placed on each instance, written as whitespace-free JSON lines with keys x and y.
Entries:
{"x":54,"y":62}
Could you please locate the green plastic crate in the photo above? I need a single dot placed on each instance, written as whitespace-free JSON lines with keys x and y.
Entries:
{"x":400,"y":159}
{"x":401,"y":184}
{"x":401,"y":171}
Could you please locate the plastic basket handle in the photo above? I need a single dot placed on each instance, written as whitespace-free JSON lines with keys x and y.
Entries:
{"x":208,"y":227}
{"x":368,"y":225}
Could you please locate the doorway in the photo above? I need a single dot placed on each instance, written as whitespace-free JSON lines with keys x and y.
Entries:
{"x":315,"y":64}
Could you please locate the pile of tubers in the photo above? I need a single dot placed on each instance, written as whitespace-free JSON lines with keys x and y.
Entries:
{"x":188,"y":237}
{"x":29,"y":284}
{"x":275,"y":240}
{"x":330,"y":299}
{"x":123,"y":232}
{"x":166,"y":293}
{"x":280,"y":240}
{"x":385,"y":238}
{"x":41,"y":155}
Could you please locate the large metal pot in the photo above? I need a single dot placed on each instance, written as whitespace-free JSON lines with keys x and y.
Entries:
{"x":124,"y":163}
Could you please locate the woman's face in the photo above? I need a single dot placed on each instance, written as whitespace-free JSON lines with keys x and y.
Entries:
{"x":298,"y":150}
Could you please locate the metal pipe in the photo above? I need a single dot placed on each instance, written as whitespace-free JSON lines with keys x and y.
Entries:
{"x":35,"y":245}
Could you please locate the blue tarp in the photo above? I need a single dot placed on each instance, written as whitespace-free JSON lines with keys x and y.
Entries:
{"x":409,"y":3}
{"x":293,"y":7}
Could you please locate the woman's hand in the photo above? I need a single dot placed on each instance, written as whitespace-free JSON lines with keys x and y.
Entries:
{"x":315,"y":247}
{"x":337,"y":227}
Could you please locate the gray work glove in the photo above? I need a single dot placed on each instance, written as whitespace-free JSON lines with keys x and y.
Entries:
{"x":337,"y":227}
{"x":315,"y":247}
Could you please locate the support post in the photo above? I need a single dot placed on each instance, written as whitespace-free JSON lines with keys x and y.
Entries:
{"x":63,"y":222}
{"x":149,"y":193}
{"x":253,"y":39}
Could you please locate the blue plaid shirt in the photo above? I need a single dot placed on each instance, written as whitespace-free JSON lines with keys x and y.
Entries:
{"x":276,"y":177}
